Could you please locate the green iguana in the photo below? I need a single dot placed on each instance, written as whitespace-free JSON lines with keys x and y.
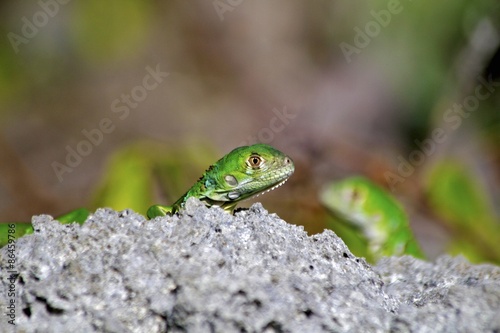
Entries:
{"x":375,"y":214}
{"x":245,"y":172}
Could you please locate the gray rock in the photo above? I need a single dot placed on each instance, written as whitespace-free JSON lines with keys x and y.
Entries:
{"x":207,"y":271}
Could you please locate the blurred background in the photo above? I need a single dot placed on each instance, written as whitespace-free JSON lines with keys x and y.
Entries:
{"x":124,"y":103}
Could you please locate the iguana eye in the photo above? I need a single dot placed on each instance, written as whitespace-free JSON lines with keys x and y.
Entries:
{"x":354,"y":195}
{"x":255,"y":161}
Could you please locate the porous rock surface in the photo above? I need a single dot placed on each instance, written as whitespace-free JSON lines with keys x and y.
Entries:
{"x":207,"y":271}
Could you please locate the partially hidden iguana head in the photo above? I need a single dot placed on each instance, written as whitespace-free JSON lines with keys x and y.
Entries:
{"x":365,"y":205}
{"x":245,"y":172}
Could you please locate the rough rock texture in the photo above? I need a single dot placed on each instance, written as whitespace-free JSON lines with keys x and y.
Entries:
{"x":208,"y":271}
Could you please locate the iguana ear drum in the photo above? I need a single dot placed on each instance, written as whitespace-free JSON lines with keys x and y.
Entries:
{"x":231,"y":180}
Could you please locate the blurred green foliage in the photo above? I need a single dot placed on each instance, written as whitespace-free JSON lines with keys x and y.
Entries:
{"x":138,"y":171}
{"x":456,"y":197}
{"x":12,"y":80}
{"x":106,"y":31}
{"x":127,"y":182}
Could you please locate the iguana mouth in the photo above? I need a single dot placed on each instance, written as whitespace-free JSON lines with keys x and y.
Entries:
{"x":274,"y":187}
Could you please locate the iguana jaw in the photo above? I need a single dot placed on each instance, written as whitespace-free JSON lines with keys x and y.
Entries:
{"x":230,"y":205}
{"x":269,"y":189}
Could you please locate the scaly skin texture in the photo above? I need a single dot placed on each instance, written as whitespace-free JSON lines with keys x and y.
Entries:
{"x":244,"y":172}
{"x":378,"y":216}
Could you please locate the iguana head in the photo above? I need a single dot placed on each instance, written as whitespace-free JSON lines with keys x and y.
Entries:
{"x":349,"y":198}
{"x":245,"y":172}
{"x":364,"y":205}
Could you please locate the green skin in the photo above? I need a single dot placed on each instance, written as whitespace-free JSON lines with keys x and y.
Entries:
{"x":243,"y":173}
{"x":378,"y":216}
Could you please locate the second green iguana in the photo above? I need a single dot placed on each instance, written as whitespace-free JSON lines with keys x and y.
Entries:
{"x":377,"y":215}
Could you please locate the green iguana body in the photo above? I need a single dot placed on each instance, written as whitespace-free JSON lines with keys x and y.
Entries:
{"x":244,"y":172}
